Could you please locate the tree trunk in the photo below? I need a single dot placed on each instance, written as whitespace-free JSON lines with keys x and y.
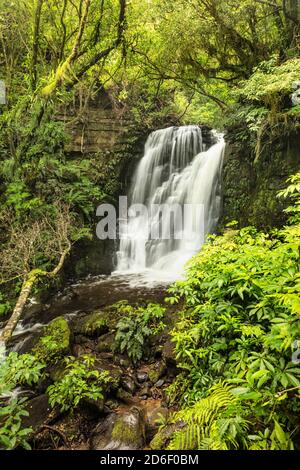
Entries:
{"x":28,"y":284}
{"x":35,"y":44}
{"x":18,"y":310}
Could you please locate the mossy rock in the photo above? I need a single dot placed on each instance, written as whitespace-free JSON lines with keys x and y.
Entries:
{"x":162,"y":437}
{"x":124,"y":431}
{"x":106,"y":343}
{"x":56,"y":371}
{"x":156,"y":371}
{"x":54,"y":340}
{"x":92,"y":325}
{"x":129,"y":430}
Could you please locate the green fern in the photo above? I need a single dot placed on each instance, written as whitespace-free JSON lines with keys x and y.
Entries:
{"x":212,"y":423}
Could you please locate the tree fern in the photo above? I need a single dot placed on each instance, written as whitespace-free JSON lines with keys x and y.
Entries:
{"x":211,"y":423}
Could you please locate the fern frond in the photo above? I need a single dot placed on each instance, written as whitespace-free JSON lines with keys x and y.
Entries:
{"x":206,"y":426}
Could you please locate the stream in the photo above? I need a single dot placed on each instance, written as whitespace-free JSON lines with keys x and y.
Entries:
{"x":85,"y":296}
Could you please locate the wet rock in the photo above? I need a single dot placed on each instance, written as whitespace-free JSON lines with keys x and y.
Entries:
{"x":80,"y":340}
{"x":145,"y":391}
{"x":142,"y":376}
{"x":112,"y":404}
{"x":156,"y":371}
{"x":158,"y":352}
{"x":154,"y":418}
{"x":123,"y":395}
{"x":123,"y":361}
{"x":95,"y":406}
{"x":78,"y":350}
{"x":57,"y":371}
{"x":105,"y":343}
{"x":159,"y":383}
{"x":128,"y":384}
{"x":168,"y":352}
{"x":92,"y":325}
{"x":54,"y":340}
{"x":39,"y":411}
{"x":124,"y":431}
{"x":163,"y":436}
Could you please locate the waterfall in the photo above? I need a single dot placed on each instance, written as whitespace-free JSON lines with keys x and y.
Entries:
{"x":177,"y":171}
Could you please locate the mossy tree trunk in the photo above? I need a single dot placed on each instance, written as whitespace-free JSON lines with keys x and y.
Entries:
{"x":31,"y":279}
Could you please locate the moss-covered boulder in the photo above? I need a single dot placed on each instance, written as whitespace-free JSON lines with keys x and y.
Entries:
{"x":92,"y":325}
{"x":156,"y":371}
{"x":124,"y":431}
{"x":54,"y":340}
{"x":162,"y":438}
{"x":57,"y":370}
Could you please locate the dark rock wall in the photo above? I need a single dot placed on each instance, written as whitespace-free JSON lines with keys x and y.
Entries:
{"x":250,"y":187}
{"x":104,"y":134}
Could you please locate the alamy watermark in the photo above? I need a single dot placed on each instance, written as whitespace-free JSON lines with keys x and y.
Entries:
{"x":156,"y":221}
{"x":2,"y":92}
{"x":296,"y":353}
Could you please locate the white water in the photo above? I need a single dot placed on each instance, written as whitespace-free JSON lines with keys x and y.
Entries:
{"x":175,"y":169}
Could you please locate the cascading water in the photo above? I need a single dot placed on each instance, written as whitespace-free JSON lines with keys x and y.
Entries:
{"x":176,"y":171}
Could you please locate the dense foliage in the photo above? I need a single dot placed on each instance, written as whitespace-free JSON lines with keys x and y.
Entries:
{"x":136,"y":328}
{"x":16,"y":370}
{"x":80,"y":381}
{"x":240,"y":325}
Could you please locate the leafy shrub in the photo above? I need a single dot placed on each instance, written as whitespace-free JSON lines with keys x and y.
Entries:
{"x":15,"y":370}
{"x":11,"y":432}
{"x":20,"y":199}
{"x":292,"y":193}
{"x":80,"y":381}
{"x":19,"y":369}
{"x":134,"y":331}
{"x":270,"y":82}
{"x":240,"y":323}
{"x":5,"y":306}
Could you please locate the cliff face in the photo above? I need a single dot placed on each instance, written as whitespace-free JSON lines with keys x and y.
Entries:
{"x":251,"y":183}
{"x":100,"y":132}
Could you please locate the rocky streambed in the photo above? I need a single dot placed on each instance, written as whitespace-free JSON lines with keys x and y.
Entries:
{"x":82,"y":320}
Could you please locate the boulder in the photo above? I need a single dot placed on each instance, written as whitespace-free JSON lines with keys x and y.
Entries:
{"x":54,"y":340}
{"x":163,"y":436}
{"x":154,"y":417}
{"x":105,"y":343}
{"x":156,"y":371}
{"x":40,"y":412}
{"x":124,"y":431}
{"x":145,"y":391}
{"x":92,"y":325}
{"x":128,"y":384}
{"x":95,"y":406}
{"x":114,"y":371}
